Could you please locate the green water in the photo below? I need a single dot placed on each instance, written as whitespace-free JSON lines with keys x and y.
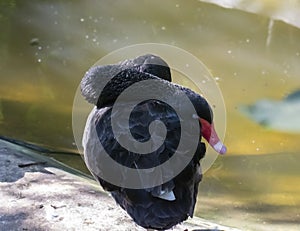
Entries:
{"x":46,"y":47}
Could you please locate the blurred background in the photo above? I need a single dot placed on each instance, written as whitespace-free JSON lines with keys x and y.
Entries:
{"x":252,"y":48}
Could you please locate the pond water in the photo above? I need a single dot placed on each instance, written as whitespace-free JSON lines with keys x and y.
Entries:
{"x":46,"y":47}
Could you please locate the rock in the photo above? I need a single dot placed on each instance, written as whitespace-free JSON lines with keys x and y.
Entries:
{"x":48,"y":197}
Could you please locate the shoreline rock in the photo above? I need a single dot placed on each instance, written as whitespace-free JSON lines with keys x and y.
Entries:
{"x":40,"y":193}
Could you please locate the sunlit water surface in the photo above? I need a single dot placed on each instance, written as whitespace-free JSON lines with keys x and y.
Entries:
{"x":46,"y":47}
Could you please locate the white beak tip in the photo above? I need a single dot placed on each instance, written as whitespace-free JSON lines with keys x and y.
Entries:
{"x":220,"y":148}
{"x":223,"y":150}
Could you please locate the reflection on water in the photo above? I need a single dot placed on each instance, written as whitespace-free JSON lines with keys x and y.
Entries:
{"x":270,"y":113}
{"x":46,"y":47}
{"x":259,"y":192}
{"x":287,"y":11}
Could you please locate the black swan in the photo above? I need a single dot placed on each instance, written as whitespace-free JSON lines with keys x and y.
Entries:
{"x":161,"y":206}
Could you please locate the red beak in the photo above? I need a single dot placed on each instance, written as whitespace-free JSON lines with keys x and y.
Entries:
{"x":209,"y":133}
